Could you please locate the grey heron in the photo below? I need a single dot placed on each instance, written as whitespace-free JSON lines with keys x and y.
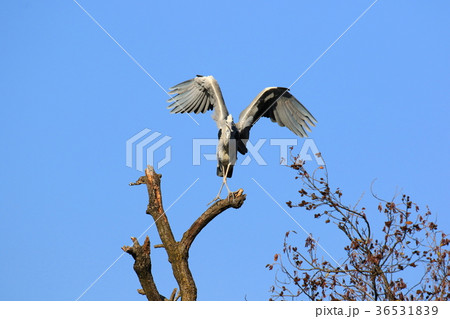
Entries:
{"x":203,"y":93}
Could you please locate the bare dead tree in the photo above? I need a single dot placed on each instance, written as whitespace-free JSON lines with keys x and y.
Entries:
{"x":177,"y":251}
{"x":403,"y":258}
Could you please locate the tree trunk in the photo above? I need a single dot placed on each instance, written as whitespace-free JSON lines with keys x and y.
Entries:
{"x":177,"y":251}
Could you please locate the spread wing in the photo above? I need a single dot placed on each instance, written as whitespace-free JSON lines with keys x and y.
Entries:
{"x":281,"y":107}
{"x":198,"y":95}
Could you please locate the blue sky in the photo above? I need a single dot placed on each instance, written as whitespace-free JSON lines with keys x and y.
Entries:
{"x":70,"y":98}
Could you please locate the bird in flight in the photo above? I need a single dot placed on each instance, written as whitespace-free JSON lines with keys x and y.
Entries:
{"x":203,"y":93}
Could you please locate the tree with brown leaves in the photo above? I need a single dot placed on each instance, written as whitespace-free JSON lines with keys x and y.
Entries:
{"x":404,"y":258}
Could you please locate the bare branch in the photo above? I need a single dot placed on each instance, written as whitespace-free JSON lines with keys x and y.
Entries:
{"x":143,"y":268}
{"x":177,"y":252}
{"x":233,"y":201}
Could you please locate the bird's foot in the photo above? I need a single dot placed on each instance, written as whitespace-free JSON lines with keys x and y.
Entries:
{"x":231,"y":196}
{"x":214,"y":200}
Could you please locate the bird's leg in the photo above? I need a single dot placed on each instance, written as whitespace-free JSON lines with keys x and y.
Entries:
{"x":218,"y":195}
{"x":224,"y":182}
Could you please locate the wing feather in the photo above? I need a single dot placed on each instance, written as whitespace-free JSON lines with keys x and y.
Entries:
{"x":296,"y":121}
{"x":302,"y":120}
{"x":201,"y":104}
{"x":198,"y":95}
{"x":281,"y":107}
{"x":194,"y":103}
{"x":289,"y":120}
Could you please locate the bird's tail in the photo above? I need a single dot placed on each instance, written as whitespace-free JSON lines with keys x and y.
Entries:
{"x":220,"y":172}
